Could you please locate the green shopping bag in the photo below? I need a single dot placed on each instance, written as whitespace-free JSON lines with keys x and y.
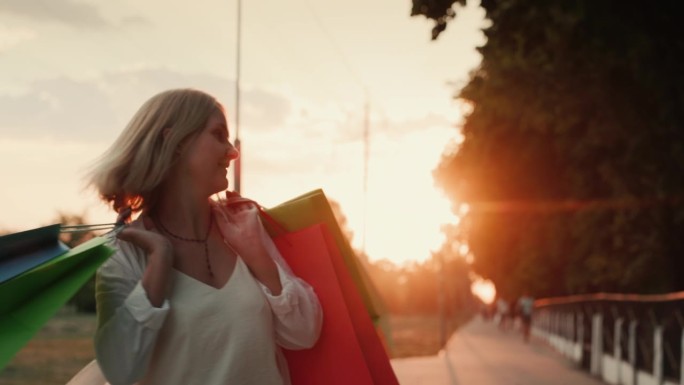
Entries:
{"x":21,"y":252}
{"x":29,"y":300}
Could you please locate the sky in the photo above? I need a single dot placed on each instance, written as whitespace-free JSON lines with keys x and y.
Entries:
{"x":72,"y":73}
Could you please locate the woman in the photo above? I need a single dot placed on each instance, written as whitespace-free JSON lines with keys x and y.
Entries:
{"x":196,"y":292}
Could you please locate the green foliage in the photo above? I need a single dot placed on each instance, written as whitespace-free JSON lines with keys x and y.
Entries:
{"x":574,"y":150}
{"x":439,"y":10}
{"x":416,"y":289}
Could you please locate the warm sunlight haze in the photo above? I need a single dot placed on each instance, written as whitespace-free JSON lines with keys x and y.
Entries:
{"x":68,"y":86}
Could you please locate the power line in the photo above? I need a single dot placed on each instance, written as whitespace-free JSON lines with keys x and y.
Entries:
{"x":336,"y":47}
{"x":366,"y":111}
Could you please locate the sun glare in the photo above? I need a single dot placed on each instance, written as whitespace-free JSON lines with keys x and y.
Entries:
{"x":483,"y":289}
{"x":404,"y":212}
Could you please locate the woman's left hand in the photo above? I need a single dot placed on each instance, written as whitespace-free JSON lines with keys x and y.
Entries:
{"x":241,"y":228}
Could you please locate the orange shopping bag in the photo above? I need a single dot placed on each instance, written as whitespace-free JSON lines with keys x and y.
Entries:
{"x":349,"y":350}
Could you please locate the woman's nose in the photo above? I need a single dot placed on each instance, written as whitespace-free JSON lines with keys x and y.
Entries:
{"x":232,"y":152}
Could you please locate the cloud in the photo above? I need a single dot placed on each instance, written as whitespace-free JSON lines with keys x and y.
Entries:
{"x":264,"y":109}
{"x":96,"y":109}
{"x":353,"y":129}
{"x":67,"y":12}
{"x":321,"y":120}
{"x":403,"y":127}
{"x":58,"y":108}
{"x":260,"y":109}
{"x":346,"y":123}
{"x":134,"y":21}
{"x":10,"y":37}
{"x":62,"y":11}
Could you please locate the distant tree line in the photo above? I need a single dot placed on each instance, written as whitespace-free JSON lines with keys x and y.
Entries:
{"x":84,"y":299}
{"x":417,"y":288}
{"x":573,"y":158}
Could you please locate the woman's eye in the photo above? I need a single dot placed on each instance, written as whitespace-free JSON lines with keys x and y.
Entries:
{"x":220,"y":136}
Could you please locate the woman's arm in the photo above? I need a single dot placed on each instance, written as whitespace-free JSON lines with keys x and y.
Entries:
{"x":131,"y":308}
{"x":298,"y":314}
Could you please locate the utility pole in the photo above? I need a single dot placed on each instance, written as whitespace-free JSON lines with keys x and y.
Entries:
{"x":237,"y":167}
{"x":441,"y":298}
{"x":366,"y":153}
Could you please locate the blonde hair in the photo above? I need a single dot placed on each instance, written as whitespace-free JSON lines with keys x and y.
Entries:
{"x":130,"y":172}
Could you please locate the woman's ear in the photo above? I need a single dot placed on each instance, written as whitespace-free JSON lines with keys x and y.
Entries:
{"x":179,"y":148}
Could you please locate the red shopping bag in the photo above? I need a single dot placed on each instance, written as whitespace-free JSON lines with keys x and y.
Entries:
{"x":349,"y":350}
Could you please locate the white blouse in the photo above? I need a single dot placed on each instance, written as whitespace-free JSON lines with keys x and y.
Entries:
{"x":200,"y":335}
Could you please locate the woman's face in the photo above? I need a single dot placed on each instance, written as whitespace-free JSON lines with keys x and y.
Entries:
{"x":205,"y":162}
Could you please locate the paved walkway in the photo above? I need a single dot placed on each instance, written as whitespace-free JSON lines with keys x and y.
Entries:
{"x":480,"y":354}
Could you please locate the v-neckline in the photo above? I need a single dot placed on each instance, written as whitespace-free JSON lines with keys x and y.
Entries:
{"x":238,"y":260}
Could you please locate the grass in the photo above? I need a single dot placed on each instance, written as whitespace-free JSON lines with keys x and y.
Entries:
{"x":64,"y":346}
{"x":55,"y":354}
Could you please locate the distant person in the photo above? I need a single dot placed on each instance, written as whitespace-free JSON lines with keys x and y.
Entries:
{"x":525,"y":308}
{"x":196,"y":292}
{"x":502,"y":313}
{"x":484,"y":311}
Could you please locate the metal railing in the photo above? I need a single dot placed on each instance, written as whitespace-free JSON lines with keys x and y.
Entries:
{"x":623,"y":339}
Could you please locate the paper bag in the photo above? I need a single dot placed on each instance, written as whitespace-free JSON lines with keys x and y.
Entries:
{"x":30,"y":299}
{"x":313,"y":208}
{"x":349,"y":350}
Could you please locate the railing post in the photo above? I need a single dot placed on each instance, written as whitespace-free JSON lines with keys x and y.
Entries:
{"x":579,"y":352}
{"x":569,"y":335}
{"x":547,"y":321}
{"x":596,"y":344}
{"x":632,"y":345}
{"x":642,"y":329}
{"x":658,"y":354}
{"x":681,"y":364}
{"x":617,"y":348}
{"x":556,"y":329}
{"x":572,"y":350}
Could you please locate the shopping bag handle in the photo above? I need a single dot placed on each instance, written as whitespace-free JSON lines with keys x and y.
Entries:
{"x":233,"y":199}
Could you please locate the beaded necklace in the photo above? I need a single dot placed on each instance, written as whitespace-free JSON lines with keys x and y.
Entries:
{"x":203,"y":241}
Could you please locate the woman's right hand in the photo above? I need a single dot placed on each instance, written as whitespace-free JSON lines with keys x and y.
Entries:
{"x":159,"y":258}
{"x":148,"y":239}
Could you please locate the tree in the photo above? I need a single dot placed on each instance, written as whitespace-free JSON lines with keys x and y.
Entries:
{"x":441,"y":11}
{"x":573,"y":151}
{"x":414,"y":288}
{"x":454,"y":274}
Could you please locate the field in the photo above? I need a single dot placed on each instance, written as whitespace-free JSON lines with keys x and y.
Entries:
{"x":55,"y":354}
{"x":65,"y":345}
